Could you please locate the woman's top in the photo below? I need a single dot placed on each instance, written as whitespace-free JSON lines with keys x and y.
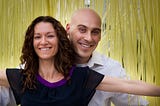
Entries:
{"x":77,"y":92}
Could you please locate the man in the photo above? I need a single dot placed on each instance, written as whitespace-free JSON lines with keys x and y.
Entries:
{"x":84,"y":32}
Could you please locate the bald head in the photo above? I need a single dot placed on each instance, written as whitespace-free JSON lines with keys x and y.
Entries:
{"x":86,"y":16}
{"x":84,"y":32}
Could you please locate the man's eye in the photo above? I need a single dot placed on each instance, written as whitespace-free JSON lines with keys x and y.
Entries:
{"x":96,"y":32}
{"x":82,"y":30}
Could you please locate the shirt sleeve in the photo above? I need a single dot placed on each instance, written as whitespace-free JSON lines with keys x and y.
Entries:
{"x":14,"y":79}
{"x":94,"y":79}
{"x":6,"y":97}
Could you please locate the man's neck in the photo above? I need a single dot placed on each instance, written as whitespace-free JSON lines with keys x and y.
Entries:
{"x":82,"y":60}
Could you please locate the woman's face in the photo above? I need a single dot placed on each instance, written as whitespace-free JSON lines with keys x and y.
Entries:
{"x":45,"y":41}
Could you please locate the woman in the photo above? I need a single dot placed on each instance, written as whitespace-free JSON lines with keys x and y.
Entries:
{"x":50,"y":78}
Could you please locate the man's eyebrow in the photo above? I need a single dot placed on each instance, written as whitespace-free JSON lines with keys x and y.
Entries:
{"x":96,"y":28}
{"x":80,"y":25}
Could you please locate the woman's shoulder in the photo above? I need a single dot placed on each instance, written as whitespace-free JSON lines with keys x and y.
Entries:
{"x":13,"y":72}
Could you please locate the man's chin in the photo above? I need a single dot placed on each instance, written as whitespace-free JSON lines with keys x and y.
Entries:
{"x":84,"y":54}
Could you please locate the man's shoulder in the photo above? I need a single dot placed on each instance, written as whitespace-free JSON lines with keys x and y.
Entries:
{"x":105,"y":59}
{"x":108,"y":66}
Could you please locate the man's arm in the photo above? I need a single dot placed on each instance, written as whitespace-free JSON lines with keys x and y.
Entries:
{"x":124,"y":99}
{"x":113,"y":84}
{"x":3,"y":79}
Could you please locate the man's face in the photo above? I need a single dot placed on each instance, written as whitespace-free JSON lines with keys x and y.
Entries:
{"x":85,"y":33}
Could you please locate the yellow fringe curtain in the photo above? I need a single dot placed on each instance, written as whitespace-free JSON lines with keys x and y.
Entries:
{"x":16,"y":15}
{"x":129,"y":31}
{"x":130,"y":34}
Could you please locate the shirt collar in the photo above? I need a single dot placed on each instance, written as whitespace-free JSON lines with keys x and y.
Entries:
{"x":96,"y":59}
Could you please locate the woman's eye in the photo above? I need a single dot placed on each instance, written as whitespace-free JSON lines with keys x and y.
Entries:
{"x":37,"y":37}
{"x":50,"y":36}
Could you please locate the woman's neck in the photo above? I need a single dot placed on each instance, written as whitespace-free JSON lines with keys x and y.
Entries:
{"x":48,"y":71}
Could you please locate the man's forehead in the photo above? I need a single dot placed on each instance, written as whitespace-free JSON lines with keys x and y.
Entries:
{"x":86,"y":20}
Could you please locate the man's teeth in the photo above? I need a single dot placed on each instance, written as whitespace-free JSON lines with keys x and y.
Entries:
{"x":84,"y":45}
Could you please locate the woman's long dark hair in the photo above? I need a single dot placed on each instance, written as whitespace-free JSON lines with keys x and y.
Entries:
{"x":63,"y":59}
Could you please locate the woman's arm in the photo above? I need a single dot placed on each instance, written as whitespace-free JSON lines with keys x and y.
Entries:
{"x":3,"y":78}
{"x":112,"y":84}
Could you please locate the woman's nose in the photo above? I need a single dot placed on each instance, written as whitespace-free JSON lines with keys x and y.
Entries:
{"x":44,"y":40}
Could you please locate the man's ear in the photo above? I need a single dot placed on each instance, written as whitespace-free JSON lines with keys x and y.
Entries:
{"x":68,"y":28}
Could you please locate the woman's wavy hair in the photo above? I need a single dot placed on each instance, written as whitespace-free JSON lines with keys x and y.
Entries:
{"x":63,"y":59}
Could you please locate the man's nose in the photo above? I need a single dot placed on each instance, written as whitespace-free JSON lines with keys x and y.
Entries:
{"x":88,"y":36}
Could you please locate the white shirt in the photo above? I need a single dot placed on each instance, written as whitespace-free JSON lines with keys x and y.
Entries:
{"x":110,"y":67}
{"x":6,"y":97}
